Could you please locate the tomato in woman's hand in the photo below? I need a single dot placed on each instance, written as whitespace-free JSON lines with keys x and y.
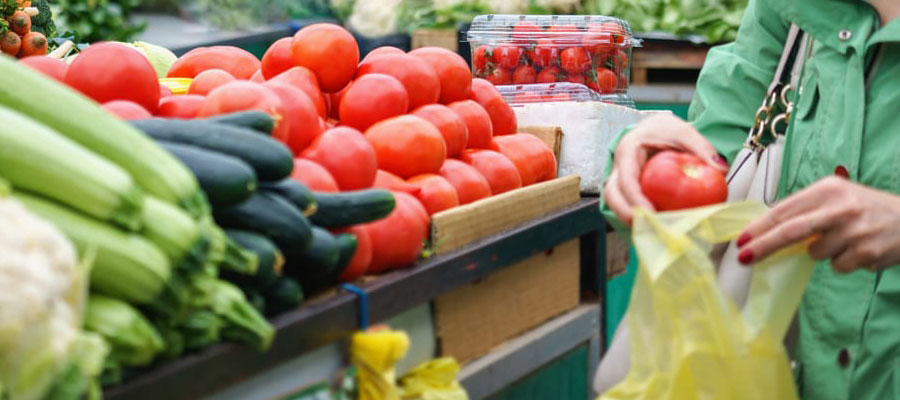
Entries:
{"x":470,"y":185}
{"x":112,"y":71}
{"x":673,"y":180}
{"x":372,"y":98}
{"x":534,"y":160}
{"x":359,"y":264}
{"x":437,"y":193}
{"x":546,"y":53}
{"x":236,"y":61}
{"x":398,"y":238}
{"x":603,"y":80}
{"x":503,"y":118}
{"x":347,"y":155}
{"x":524,"y":74}
{"x":549,"y":75}
{"x":243,"y":96}
{"x":449,"y":123}
{"x":407,"y":146}
{"x":506,"y":56}
{"x":305,"y":80}
{"x":126,"y":110}
{"x":185,"y":106}
{"x":329,"y":51}
{"x":452,"y":70}
{"x":421,"y":82}
{"x":499,"y":170}
{"x":52,"y":67}
{"x":389,"y":181}
{"x":499,"y":76}
{"x":383,"y":50}
{"x":277,"y":58}
{"x":574,"y":60}
{"x":208,"y":80}
{"x":314,"y":176}
{"x":299,"y":114}
{"x":480,"y":59}
{"x":478,"y":123}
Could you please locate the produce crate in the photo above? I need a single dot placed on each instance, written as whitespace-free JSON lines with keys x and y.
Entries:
{"x":446,"y":38}
{"x":667,"y":55}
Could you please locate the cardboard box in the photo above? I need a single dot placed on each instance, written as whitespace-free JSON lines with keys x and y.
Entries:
{"x":473,"y":319}
{"x":446,"y":38}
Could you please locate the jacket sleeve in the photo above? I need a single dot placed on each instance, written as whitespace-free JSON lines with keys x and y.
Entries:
{"x":731,"y":86}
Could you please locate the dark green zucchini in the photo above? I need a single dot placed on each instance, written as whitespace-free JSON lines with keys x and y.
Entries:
{"x":258,"y":121}
{"x":270,"y":159}
{"x":226,"y":180}
{"x":295,"y":192}
{"x":338,"y":210}
{"x":317,"y":267}
{"x":283,"y":295}
{"x":272,"y":216}
{"x":270,"y":260}
{"x":347,"y":248}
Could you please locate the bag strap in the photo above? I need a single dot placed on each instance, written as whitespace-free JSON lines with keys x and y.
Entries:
{"x":786,"y":78}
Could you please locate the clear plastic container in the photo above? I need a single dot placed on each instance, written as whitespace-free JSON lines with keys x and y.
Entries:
{"x":517,"y":95}
{"x":523,"y":49}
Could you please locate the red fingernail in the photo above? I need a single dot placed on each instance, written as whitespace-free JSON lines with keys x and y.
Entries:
{"x":745,"y":257}
{"x":743,"y":239}
{"x":721,"y":161}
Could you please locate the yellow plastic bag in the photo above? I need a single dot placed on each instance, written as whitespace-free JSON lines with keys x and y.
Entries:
{"x":688,"y":339}
{"x":433,"y":380}
{"x":375,"y":354}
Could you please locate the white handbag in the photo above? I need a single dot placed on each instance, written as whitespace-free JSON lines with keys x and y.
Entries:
{"x":754,"y":175}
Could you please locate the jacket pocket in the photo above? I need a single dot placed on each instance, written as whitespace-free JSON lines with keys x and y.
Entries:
{"x":803,"y":141}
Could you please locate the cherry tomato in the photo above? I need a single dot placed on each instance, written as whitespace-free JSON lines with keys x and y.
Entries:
{"x":407,"y":146}
{"x":618,"y":31}
{"x":576,"y":78}
{"x":277,"y":58}
{"x":397,"y":239}
{"x":347,"y":155}
{"x":470,"y":185}
{"x":126,"y":110}
{"x":524,"y":75}
{"x":421,"y":82}
{"x":564,"y":35}
{"x":546,"y":53}
{"x":598,"y":42}
{"x":499,"y":170}
{"x":499,"y":76}
{"x":329,"y":51}
{"x":389,"y":181}
{"x":243,"y":96}
{"x":185,"y":106}
{"x":503,"y":118}
{"x":305,"y":80}
{"x":164,"y":92}
{"x":359,"y":264}
{"x":673,"y":180}
{"x":525,"y":30}
{"x":314,"y":176}
{"x":208,"y":80}
{"x":506,"y":56}
{"x":549,"y":75}
{"x":437,"y":193}
{"x":452,"y":70}
{"x":49,"y":66}
{"x":480,"y":59}
{"x":450,"y":124}
{"x":382,"y":51}
{"x":533,"y":159}
{"x":372,"y":98}
{"x":478,"y":123}
{"x":603,"y":81}
{"x":236,"y":61}
{"x":112,"y":71}
{"x":620,"y":60}
{"x":299,"y":114}
{"x":574,"y":60}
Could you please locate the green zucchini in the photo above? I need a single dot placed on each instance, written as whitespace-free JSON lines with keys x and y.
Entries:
{"x":296,"y":192}
{"x":271,"y":216}
{"x":316,"y":268}
{"x":270,"y":159}
{"x":258,"y":121}
{"x":226,"y":180}
{"x":283,"y":295}
{"x":347,"y":248}
{"x":338,"y":210}
{"x":270,"y":260}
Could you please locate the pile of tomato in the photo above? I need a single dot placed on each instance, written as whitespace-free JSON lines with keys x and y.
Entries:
{"x":595,"y":55}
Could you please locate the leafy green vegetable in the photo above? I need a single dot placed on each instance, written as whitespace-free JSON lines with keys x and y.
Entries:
{"x":715,"y":20}
{"x":43,"y":22}
{"x":242,"y":322}
{"x":415,"y":14}
{"x":98,"y":20}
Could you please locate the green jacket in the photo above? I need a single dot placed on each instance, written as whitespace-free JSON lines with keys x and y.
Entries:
{"x":849,"y":345}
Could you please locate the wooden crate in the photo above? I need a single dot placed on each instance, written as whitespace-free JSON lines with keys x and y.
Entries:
{"x":666,"y":55}
{"x":446,"y":38}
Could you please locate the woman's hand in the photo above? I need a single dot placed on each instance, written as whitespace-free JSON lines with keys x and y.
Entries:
{"x":622,"y":190}
{"x":856,"y":226}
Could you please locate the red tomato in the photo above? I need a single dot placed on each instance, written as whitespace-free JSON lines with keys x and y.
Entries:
{"x":407,"y":146}
{"x":618,"y":31}
{"x":598,"y":41}
{"x":126,"y":110}
{"x":437,"y":193}
{"x":208,"y":80}
{"x":525,"y":30}
{"x":452,"y":127}
{"x":452,"y":70}
{"x":397,"y":239}
{"x":258,"y":77}
{"x":305,"y":80}
{"x":564,"y":35}
{"x":347,"y":155}
{"x":49,"y":66}
{"x":549,"y":75}
{"x":546,"y":53}
{"x":382,"y":51}
{"x":243,"y":96}
{"x":389,"y":181}
{"x":185,"y":106}
{"x":277,"y":58}
{"x":534,"y":160}
{"x":576,"y":78}
{"x":672,"y":181}
{"x":164,"y":92}
{"x":235,"y":60}
{"x":470,"y":185}
{"x":503,"y":119}
{"x":359,"y":264}
{"x":523,"y":75}
{"x":574,"y":60}
{"x":314,"y":176}
{"x":499,"y":170}
{"x":506,"y":56}
{"x":620,"y":60}
{"x":480,"y":59}
{"x":603,"y":81}
{"x":112,"y":71}
{"x":329,"y":51}
{"x":421,"y":82}
{"x":499,"y":76}
{"x":300,"y":115}
{"x":372,"y":98}
{"x":478,"y":122}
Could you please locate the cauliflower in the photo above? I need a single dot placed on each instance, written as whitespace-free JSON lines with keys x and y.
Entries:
{"x":374,"y":18}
